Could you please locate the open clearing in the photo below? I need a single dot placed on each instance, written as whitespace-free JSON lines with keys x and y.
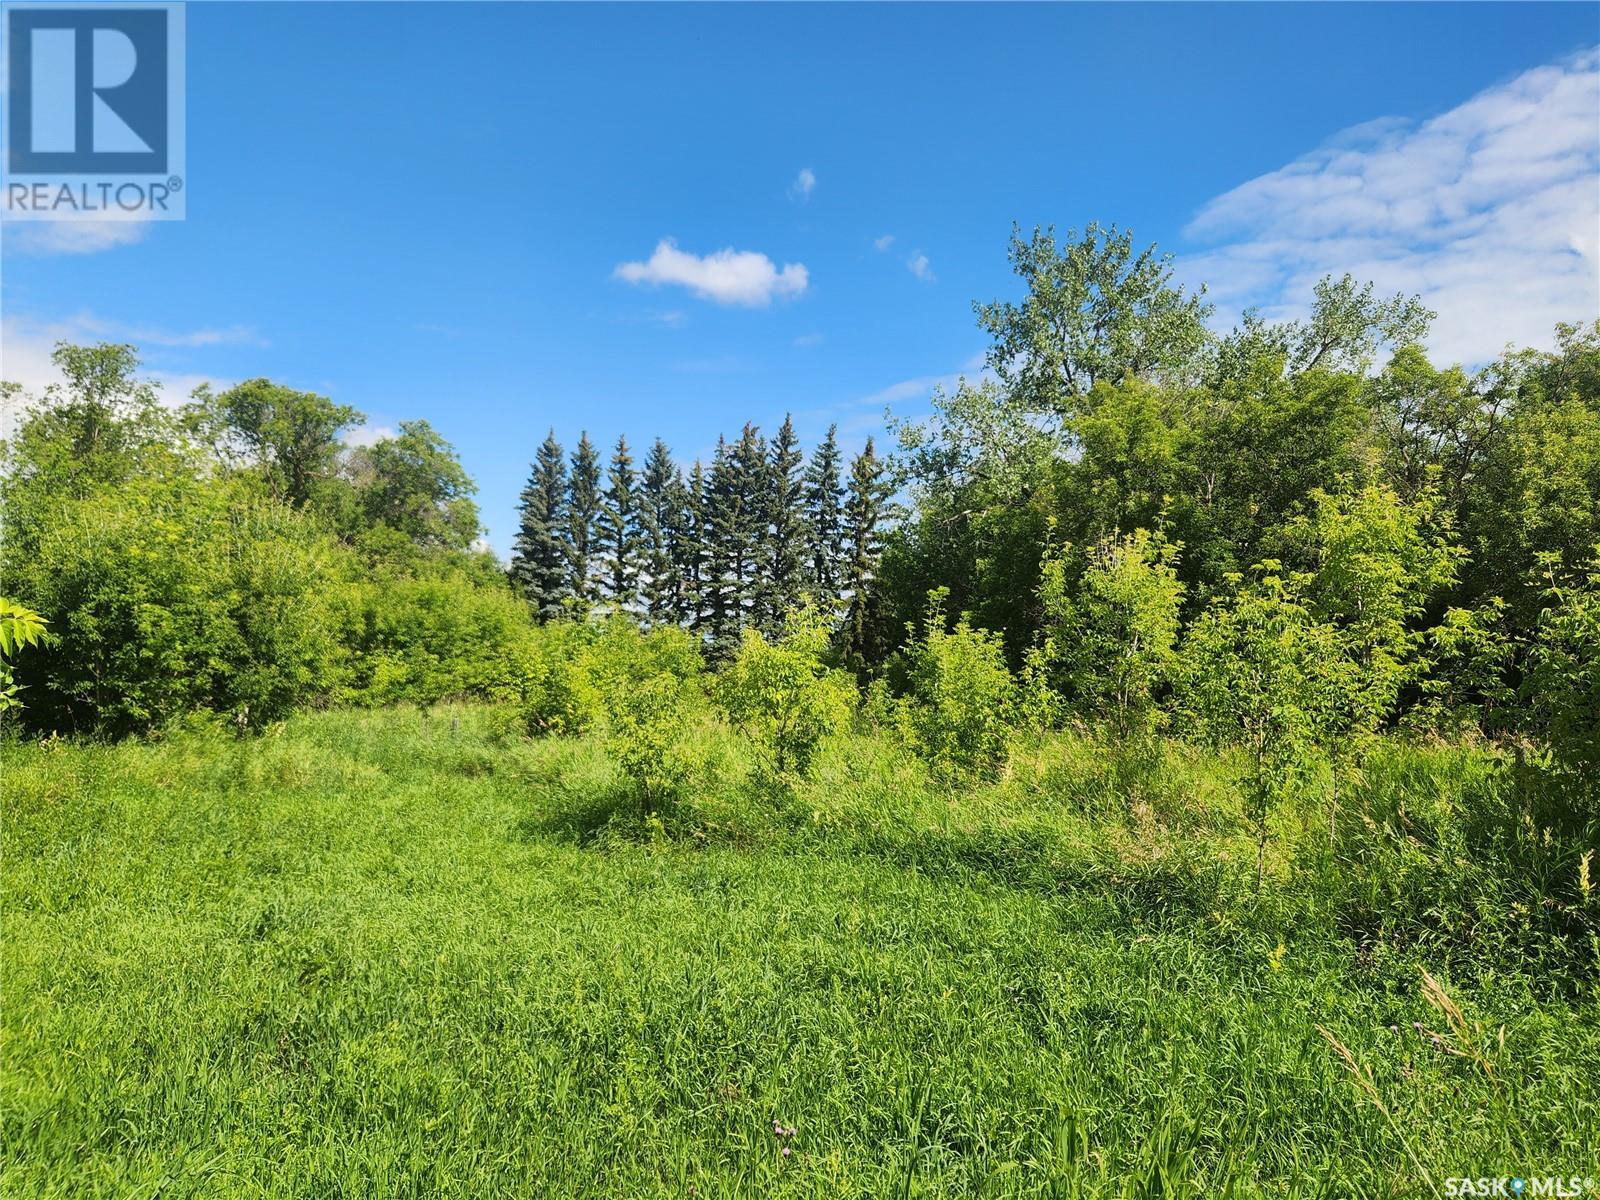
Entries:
{"x":391,"y":954}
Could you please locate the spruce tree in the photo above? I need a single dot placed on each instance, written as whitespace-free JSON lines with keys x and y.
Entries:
{"x":690,"y":549}
{"x":825,"y":523}
{"x":865,"y":509}
{"x":751,"y":480}
{"x":617,"y":531}
{"x":539,"y":557}
{"x":782,"y":568}
{"x":660,"y":496}
{"x":583,"y":507}
{"x":719,"y":579}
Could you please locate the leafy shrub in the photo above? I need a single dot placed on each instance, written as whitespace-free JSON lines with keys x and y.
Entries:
{"x":1376,"y":562}
{"x":422,"y":637}
{"x":565,"y":677}
{"x":1468,"y":658}
{"x":785,"y":696}
{"x":169,"y":594}
{"x":545,"y":684}
{"x":1248,"y":677}
{"x":650,"y":736}
{"x":620,"y":655}
{"x":1111,"y":638}
{"x":960,"y":700}
{"x":19,"y":628}
{"x":1563,"y":680}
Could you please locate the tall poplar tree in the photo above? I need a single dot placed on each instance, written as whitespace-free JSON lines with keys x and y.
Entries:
{"x":539,"y":557}
{"x":583,"y":507}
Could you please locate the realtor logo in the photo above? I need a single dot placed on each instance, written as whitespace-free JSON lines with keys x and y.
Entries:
{"x":94,"y":121}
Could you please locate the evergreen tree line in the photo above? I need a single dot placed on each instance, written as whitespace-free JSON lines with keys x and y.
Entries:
{"x":714,"y":550}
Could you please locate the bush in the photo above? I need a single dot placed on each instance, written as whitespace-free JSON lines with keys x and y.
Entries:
{"x":1468,"y":659}
{"x":1251,"y":670}
{"x":544,"y":683}
{"x":650,"y":727}
{"x":423,"y":637}
{"x":1111,"y":637}
{"x":620,"y":655}
{"x":168,"y":594}
{"x":1562,"y":686}
{"x":785,"y":696}
{"x":19,"y":628}
{"x":566,"y":677}
{"x":961,"y":702}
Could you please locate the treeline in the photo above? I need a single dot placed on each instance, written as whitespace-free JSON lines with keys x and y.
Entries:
{"x":715,"y":551}
{"x":1110,"y":407}
{"x":237,"y":558}
{"x":245,"y":555}
{"x":1292,"y":538}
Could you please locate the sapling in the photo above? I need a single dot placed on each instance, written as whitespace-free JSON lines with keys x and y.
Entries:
{"x":1245,"y":680}
{"x":1111,"y":636}
{"x":1377,"y":559}
{"x":784,"y":695}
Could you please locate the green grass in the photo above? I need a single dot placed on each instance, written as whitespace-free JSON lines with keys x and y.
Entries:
{"x":376,"y":955}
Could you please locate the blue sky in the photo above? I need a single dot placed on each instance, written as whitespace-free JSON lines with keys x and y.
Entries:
{"x":458,"y":212}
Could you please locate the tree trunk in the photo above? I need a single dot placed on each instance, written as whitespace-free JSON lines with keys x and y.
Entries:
{"x":1333,"y":803}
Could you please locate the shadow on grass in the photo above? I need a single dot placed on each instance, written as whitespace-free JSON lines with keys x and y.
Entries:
{"x":575,"y":815}
{"x":1176,"y":887}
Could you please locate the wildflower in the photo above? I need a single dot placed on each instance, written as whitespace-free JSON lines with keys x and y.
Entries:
{"x":787,"y":1152}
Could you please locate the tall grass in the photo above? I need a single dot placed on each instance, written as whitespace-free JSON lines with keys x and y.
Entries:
{"x":402,"y":954}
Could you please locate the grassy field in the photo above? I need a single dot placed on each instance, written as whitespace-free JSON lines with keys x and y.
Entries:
{"x":392,"y":954}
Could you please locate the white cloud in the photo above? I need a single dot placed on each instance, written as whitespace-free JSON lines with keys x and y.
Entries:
{"x":922,"y":387}
{"x":72,"y":237}
{"x":741,"y":277}
{"x":803,"y":185}
{"x":85,"y":326}
{"x":1490,"y":211}
{"x":366,"y":435}
{"x":880,"y":244}
{"x":919,"y":266}
{"x":144,"y":335}
{"x":26,"y":344}
{"x":808,"y":339}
